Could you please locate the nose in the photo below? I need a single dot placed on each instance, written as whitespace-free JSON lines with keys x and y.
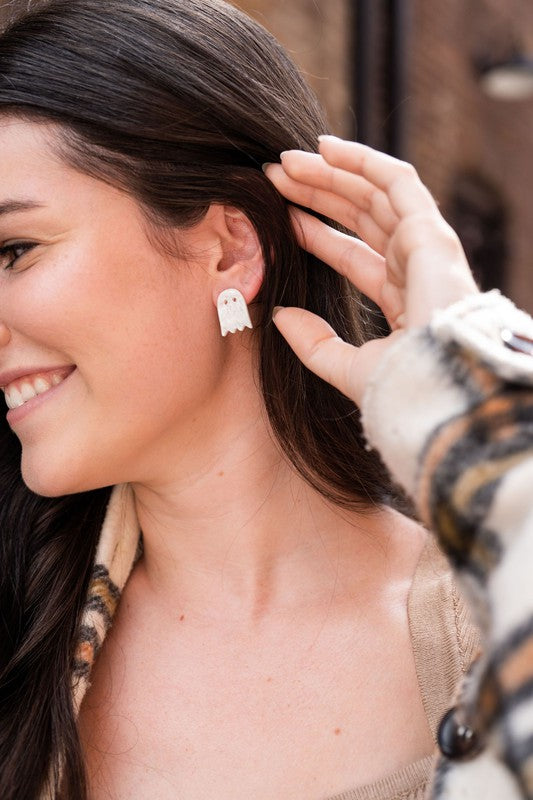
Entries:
{"x":5,"y":335}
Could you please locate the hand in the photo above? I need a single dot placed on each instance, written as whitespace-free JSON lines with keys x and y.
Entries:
{"x":410,"y":261}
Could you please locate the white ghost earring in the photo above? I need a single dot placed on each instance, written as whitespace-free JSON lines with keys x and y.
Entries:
{"x":232,"y":311}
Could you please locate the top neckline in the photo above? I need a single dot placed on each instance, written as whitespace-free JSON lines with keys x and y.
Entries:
{"x":441,"y":651}
{"x":405,"y":783}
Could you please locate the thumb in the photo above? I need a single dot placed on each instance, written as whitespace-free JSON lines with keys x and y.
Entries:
{"x":323,"y":352}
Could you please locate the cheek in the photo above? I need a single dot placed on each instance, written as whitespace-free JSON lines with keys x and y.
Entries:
{"x":157,"y":344}
{"x":148,"y":361}
{"x":157,"y":368}
{"x":119,"y":425}
{"x":111,"y":302}
{"x":121,"y":428}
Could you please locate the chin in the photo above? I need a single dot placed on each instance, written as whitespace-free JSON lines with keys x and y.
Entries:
{"x":46,"y":488}
{"x":49,"y":483}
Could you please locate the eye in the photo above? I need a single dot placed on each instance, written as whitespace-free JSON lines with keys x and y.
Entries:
{"x":16,"y":251}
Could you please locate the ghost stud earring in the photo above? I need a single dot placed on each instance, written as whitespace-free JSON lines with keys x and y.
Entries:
{"x":232,"y":311}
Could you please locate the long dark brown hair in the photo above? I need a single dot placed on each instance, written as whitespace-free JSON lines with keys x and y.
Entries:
{"x":178,"y":102}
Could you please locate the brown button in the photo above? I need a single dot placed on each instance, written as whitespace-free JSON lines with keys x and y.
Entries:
{"x":457,"y":741}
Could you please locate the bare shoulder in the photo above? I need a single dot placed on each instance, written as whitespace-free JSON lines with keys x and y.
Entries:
{"x":389,"y":544}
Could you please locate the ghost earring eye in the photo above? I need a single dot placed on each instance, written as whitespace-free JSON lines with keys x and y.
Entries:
{"x":232,"y":312}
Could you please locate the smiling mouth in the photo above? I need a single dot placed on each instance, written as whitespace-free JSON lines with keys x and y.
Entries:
{"x":25,"y":389}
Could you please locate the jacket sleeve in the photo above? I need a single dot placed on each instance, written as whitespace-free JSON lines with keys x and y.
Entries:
{"x":450,"y":410}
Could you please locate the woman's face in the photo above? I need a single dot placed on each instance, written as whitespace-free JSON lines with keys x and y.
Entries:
{"x":133,"y":331}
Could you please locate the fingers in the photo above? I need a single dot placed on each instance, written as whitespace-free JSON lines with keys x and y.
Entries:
{"x":355,"y":204}
{"x":413,"y":256}
{"x":427,"y":261}
{"x":312,"y":168}
{"x":354,"y":259}
{"x":392,"y":303}
{"x":398,"y":179}
{"x":317,"y":345}
{"x":366,"y":191}
{"x":323,"y":352}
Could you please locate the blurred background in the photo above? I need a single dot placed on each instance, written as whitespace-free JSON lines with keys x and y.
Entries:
{"x":445,"y":85}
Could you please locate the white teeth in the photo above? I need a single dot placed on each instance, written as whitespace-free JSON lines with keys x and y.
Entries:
{"x":41,"y":385}
{"x":27,"y":391}
{"x":30,"y":389}
{"x":14,"y":399}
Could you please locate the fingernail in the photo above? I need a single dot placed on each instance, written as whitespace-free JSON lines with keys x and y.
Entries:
{"x":325,"y":136}
{"x":282,"y":155}
{"x":265,"y":165}
{"x":275,"y":310}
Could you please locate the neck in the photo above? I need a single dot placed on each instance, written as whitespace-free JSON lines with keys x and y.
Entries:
{"x":230,"y":529}
{"x":247,"y":536}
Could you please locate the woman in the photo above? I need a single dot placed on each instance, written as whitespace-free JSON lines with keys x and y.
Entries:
{"x":268,"y":641}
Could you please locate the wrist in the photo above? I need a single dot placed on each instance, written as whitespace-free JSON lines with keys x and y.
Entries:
{"x":433,"y":374}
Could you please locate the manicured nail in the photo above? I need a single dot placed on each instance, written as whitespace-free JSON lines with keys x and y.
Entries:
{"x":265,"y":165}
{"x":325,"y":136}
{"x":275,"y":310}
{"x":282,"y":155}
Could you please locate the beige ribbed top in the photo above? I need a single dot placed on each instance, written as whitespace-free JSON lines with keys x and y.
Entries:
{"x":445,"y":642}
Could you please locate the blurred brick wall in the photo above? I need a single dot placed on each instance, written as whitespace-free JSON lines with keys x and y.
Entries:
{"x":317,"y":35}
{"x":453,"y":127}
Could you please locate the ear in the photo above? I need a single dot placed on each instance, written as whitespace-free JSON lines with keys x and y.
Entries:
{"x":241,"y":264}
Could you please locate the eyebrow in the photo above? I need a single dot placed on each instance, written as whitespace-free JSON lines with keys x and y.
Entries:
{"x":12,"y":206}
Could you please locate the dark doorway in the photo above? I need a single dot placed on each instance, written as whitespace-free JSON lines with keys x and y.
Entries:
{"x":478,"y":213}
